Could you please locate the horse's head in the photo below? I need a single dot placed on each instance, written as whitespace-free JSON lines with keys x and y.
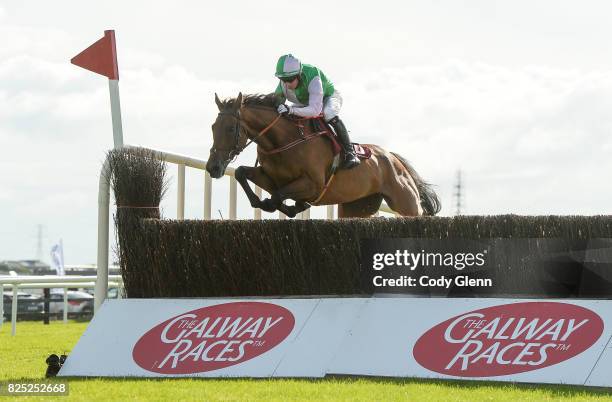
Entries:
{"x":227,"y":138}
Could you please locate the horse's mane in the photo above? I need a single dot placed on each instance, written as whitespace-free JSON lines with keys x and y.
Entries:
{"x":269,"y":100}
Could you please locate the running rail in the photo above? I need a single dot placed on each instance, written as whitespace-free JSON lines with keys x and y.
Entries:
{"x":50,"y":281}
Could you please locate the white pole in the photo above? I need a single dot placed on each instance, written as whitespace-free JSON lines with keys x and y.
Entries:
{"x":180,"y":202}
{"x":233,"y":185}
{"x":14,"y":311}
{"x":101,"y":288}
{"x":1,"y":304}
{"x":257,"y":211}
{"x":330,"y":211}
{"x":113,"y":87}
{"x":207,"y":195}
{"x":65,"y":305}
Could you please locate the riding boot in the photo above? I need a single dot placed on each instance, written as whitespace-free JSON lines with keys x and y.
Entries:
{"x":350,"y":159}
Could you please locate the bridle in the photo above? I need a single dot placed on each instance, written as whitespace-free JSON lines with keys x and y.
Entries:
{"x":237,"y":149}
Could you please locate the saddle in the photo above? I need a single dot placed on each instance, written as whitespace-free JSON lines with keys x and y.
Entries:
{"x":315,"y":126}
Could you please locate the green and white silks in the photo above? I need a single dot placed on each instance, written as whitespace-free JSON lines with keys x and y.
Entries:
{"x":313,"y":95}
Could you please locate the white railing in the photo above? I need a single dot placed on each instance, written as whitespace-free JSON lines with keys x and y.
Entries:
{"x":182,"y":161}
{"x":42,"y":282}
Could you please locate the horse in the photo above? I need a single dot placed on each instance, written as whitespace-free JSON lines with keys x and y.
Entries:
{"x":293,"y":168}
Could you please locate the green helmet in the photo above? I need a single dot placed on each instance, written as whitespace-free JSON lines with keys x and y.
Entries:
{"x":288,"y":66}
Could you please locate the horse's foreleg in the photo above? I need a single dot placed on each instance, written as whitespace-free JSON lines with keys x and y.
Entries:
{"x":244,"y":174}
{"x":299,"y":190}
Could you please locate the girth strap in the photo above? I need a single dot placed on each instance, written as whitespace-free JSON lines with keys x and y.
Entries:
{"x":333,"y":169}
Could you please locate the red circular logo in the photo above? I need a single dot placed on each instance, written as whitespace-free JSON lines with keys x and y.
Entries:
{"x":212,"y":338}
{"x":508,"y":339}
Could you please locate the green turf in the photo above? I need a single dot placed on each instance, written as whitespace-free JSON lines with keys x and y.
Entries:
{"x":22,"y":358}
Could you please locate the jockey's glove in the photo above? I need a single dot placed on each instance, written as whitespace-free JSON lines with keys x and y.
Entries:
{"x":283,"y":109}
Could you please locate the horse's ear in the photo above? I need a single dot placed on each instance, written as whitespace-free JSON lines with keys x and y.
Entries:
{"x":238,"y":102}
{"x":218,"y":102}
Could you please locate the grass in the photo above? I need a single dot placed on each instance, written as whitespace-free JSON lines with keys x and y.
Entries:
{"x":22,"y":358}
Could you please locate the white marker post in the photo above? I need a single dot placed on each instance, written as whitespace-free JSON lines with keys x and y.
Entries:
{"x":101,"y":58}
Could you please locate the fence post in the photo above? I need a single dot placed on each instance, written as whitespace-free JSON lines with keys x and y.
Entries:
{"x":305,"y":214}
{"x":101,"y":288}
{"x":47,"y":296}
{"x":1,"y":304}
{"x":180,"y":202}
{"x":330,"y":211}
{"x":207,"y":195}
{"x":14,"y":310}
{"x":233,"y":196}
{"x":257,"y":211}
{"x":65,"y":305}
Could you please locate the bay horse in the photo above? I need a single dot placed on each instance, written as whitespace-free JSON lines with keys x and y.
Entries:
{"x":302,"y":172}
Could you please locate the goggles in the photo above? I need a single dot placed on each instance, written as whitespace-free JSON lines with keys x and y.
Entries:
{"x":288,"y":79}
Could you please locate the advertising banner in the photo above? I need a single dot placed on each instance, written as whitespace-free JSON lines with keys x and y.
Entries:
{"x":490,"y":339}
{"x":550,"y":341}
{"x":188,"y":337}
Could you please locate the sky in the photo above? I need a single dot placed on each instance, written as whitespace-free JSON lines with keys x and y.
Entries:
{"x":516,"y":94}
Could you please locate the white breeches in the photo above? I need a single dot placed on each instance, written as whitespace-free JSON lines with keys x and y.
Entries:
{"x":332,"y":105}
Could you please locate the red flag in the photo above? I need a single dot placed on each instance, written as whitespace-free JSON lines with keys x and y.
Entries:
{"x":101,"y":57}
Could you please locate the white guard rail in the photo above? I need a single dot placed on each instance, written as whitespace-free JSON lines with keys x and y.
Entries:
{"x":182,"y":162}
{"x":41,"y":282}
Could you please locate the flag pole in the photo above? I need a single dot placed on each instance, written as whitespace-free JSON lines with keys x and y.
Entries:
{"x":113,"y":88}
{"x":101,"y":58}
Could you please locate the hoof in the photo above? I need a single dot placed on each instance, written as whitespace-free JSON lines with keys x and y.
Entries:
{"x":290,"y":211}
{"x":268,"y":205}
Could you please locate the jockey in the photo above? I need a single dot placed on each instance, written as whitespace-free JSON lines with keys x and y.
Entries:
{"x":312,"y":93}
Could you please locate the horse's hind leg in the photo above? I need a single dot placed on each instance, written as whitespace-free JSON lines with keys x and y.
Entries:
{"x":361,"y":208}
{"x":404,"y":200}
{"x":292,"y":210}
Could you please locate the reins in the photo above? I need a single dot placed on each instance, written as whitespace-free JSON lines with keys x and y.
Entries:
{"x":262,"y":132}
{"x":238,"y":149}
{"x":233,"y":153}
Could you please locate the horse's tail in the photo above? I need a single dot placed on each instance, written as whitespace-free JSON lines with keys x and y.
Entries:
{"x":429,"y":199}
